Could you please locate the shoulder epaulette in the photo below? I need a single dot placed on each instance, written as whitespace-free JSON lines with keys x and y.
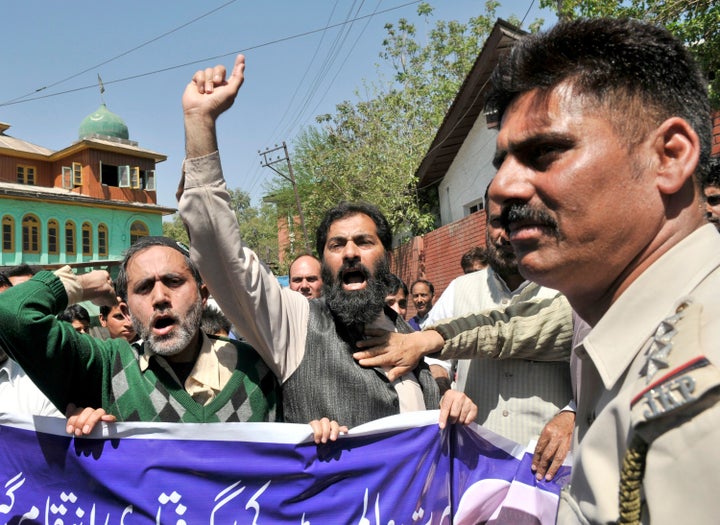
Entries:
{"x":676,"y":374}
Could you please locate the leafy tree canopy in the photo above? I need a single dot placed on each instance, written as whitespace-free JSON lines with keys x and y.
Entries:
{"x":258,"y":227}
{"x":369,"y":150}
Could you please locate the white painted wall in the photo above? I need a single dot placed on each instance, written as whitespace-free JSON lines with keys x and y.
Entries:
{"x":469,"y":174}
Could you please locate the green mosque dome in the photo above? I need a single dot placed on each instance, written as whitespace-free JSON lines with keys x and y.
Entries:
{"x":103,"y":122}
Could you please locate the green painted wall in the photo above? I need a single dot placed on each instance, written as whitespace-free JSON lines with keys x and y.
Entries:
{"x":117,"y":221}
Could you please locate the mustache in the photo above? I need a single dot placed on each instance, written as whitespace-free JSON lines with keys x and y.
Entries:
{"x":354,"y":266}
{"x":517,"y":212}
{"x":166,"y":314}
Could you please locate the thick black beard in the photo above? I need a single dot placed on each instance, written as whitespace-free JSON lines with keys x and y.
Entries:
{"x":358,"y":307}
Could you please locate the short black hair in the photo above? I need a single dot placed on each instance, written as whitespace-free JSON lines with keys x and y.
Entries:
{"x":213,"y":320}
{"x":143,"y":243}
{"x":713,"y":175}
{"x":471,"y":256}
{"x":74,"y":312}
{"x":4,"y":281}
{"x":636,"y":72}
{"x":425,"y":282}
{"x":347,"y":209}
{"x":22,"y":269}
{"x":394,"y":283}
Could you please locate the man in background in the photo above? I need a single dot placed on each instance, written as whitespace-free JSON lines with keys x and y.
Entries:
{"x":305,"y":276}
{"x":397,"y":295}
{"x":18,"y":394}
{"x":116,"y":319}
{"x":711,"y":192}
{"x":422,"y":293}
{"x":473,"y":260}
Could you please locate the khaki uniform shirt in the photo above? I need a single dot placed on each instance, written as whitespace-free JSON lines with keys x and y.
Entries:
{"x":647,"y":370}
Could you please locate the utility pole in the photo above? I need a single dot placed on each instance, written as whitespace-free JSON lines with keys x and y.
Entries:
{"x":269,"y":163}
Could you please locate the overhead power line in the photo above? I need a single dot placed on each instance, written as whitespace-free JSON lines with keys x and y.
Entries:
{"x":178,"y":28}
{"x":206,"y":59}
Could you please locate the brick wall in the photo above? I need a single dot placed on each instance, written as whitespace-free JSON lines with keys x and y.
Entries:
{"x":436,"y":255}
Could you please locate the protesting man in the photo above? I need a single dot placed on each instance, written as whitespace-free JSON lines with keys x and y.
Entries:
{"x":604,"y":139}
{"x":307,"y":344}
{"x":219,"y":380}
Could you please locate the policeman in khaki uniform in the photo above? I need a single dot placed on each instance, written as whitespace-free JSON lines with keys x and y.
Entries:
{"x":604,"y":141}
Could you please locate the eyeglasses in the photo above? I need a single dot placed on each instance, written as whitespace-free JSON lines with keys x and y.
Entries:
{"x":713,"y":200}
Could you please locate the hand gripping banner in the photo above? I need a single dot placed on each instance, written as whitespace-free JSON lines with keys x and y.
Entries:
{"x":398,"y":470}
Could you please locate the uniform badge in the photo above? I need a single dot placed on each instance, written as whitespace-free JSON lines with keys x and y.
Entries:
{"x":676,"y":374}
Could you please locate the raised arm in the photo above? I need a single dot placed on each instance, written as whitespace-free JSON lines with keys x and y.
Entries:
{"x":272,"y":319}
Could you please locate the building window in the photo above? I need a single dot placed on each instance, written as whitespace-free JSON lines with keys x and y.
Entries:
{"x":70,"y":238}
{"x":67,"y":177}
{"x":86,"y":239}
{"x":102,"y":240}
{"x":30,"y":234}
{"x":8,"y":234}
{"x":138,"y":230}
{"x":124,"y":176}
{"x":148,"y":177}
{"x":135,"y":178}
{"x":474,"y":207}
{"x":127,"y":177}
{"x":53,"y":232}
{"x":77,"y":178}
{"x":26,"y":175}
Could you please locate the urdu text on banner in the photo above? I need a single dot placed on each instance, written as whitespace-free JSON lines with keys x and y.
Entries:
{"x":397,"y":470}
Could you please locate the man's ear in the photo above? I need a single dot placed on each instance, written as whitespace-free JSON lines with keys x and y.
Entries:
{"x":677,"y":148}
{"x":204,"y":294}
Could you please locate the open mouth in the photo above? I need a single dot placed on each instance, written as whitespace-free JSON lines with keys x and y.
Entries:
{"x":163,"y":325}
{"x":353,"y":278}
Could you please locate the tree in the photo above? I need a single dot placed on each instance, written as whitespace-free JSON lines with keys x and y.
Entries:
{"x":695,"y":22}
{"x":175,"y":229}
{"x":370,"y":149}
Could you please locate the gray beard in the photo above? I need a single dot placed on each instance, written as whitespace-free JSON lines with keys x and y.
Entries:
{"x":357,"y":307}
{"x":176,"y":340}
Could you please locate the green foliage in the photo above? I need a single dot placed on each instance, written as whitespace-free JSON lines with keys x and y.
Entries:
{"x":258,"y":227}
{"x":369,"y":150}
{"x":175,"y":229}
{"x":695,"y":22}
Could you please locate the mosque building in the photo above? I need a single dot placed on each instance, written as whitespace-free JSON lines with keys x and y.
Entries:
{"x":83,"y":205}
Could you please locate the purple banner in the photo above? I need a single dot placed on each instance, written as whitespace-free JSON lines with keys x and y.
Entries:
{"x":398,"y":470}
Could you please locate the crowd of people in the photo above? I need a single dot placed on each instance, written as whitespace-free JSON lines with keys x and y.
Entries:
{"x":586,"y":323}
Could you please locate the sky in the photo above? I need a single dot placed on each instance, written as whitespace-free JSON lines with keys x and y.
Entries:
{"x":303,"y":57}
